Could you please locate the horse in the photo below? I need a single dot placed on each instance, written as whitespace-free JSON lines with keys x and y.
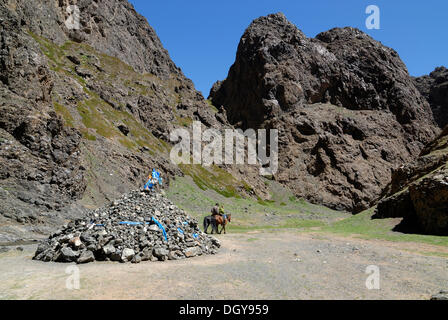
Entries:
{"x":215,"y":221}
{"x":209,"y":220}
{"x":223,"y":221}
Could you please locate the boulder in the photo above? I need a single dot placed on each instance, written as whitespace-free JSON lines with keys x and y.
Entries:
{"x":137,"y":259}
{"x":127,"y":255}
{"x":441,"y":296}
{"x":192,"y":252}
{"x":67,"y":255}
{"x":108,"y":250}
{"x":75,"y":242}
{"x":430,"y":200}
{"x":160,"y":253}
{"x":86,"y":257}
{"x":124,"y":129}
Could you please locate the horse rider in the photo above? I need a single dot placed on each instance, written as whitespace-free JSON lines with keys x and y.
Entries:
{"x":216,"y":211}
{"x":221,"y":212}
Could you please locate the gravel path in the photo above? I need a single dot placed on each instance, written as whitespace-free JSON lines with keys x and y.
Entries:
{"x":258,"y":265}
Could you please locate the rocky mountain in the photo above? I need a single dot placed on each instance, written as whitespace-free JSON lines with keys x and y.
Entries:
{"x":347,"y":110}
{"x":86,"y":113}
{"x":434,"y":87}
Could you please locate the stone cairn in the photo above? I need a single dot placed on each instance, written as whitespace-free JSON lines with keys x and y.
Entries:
{"x":140,"y":226}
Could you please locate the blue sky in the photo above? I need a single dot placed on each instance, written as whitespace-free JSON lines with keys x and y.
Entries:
{"x":202,"y":35}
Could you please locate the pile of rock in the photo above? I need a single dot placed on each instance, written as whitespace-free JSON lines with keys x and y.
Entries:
{"x":442,"y":295}
{"x":141,"y":226}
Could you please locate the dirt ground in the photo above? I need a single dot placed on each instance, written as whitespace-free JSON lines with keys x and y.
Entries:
{"x":257,"y":265}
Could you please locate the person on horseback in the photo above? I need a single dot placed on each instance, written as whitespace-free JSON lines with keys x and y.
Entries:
{"x":215,"y":210}
{"x":221,"y":211}
{"x":212,"y":219}
{"x":218,"y":217}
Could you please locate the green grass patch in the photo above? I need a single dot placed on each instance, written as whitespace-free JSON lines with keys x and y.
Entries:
{"x":53,"y":52}
{"x":128,"y":143}
{"x":249,"y":215}
{"x":434,"y":254}
{"x":93,"y":118}
{"x":292,"y":224}
{"x":247,"y":187}
{"x":210,"y":104}
{"x":363,"y":226}
{"x":86,"y":134}
{"x":65,"y":114}
{"x":97,"y":117}
{"x":185,"y":122}
{"x":265,"y":202}
{"x":213,"y":178}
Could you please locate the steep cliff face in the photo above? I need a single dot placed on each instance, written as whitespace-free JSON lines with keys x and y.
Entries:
{"x":418,"y":191}
{"x":434,"y":87}
{"x":347,"y":110}
{"x":39,"y":155}
{"x":86,"y":114}
{"x":112,"y":27}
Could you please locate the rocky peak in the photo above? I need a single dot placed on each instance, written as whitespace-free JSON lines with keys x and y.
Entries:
{"x":273,"y":26}
{"x":439,"y":74}
{"x":343,"y":66}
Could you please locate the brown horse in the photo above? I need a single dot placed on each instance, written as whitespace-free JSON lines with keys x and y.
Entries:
{"x":222,"y":221}
{"x":216,"y":221}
